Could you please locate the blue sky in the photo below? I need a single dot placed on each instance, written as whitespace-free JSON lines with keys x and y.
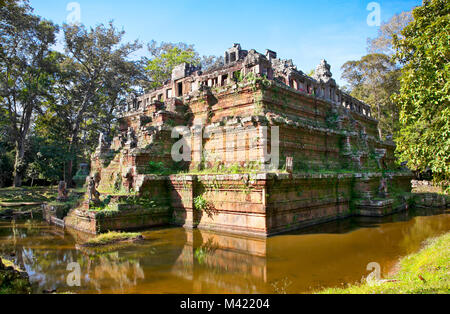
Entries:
{"x":303,"y":30}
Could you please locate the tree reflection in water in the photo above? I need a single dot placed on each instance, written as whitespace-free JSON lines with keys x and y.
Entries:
{"x":110,"y":272}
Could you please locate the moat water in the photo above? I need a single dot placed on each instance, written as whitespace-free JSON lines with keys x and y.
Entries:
{"x":175,"y":260}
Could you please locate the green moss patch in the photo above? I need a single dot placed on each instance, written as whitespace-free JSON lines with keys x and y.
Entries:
{"x":113,"y":238}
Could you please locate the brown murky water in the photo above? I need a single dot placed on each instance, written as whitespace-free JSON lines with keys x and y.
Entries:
{"x":180,"y":261}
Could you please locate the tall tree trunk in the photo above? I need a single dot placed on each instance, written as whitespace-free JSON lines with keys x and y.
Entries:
{"x":19,"y":162}
{"x":73,"y":156}
{"x":69,"y":173}
{"x":74,"y":136}
{"x":380,"y":133}
{"x":21,"y":135}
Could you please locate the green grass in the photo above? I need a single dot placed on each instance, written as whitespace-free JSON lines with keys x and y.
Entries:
{"x":28,"y":195}
{"x":425,"y":272}
{"x":111,"y":238}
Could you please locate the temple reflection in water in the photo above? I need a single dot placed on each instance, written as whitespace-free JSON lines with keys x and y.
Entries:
{"x":193,"y":261}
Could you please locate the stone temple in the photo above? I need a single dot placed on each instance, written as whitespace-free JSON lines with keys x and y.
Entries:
{"x":269,"y":150}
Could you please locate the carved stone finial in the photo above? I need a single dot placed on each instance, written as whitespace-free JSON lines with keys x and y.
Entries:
{"x":323,"y":73}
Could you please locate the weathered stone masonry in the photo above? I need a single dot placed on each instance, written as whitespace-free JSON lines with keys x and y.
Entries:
{"x":341,"y":166}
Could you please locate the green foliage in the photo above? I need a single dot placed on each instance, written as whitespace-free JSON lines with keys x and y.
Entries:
{"x":97,"y":68}
{"x":6,"y":150}
{"x":160,"y":168}
{"x":424,"y":138}
{"x":48,"y":159}
{"x":157,"y":168}
{"x":200,"y":203}
{"x":27,"y":72}
{"x":218,"y":168}
{"x":6,"y":166}
{"x":141,"y":201}
{"x":204,"y":206}
{"x":238,"y":76}
{"x":165,"y":58}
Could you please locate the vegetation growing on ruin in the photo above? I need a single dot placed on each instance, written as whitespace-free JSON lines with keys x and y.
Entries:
{"x":426,"y":272}
{"x":158,"y":168}
{"x":204,"y":206}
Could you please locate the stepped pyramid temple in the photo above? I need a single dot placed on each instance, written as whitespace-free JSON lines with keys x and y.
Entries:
{"x":255,"y":147}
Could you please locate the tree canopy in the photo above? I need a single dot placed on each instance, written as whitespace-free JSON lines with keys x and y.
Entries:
{"x":384,"y":42}
{"x":27,"y":67}
{"x":165,"y":56}
{"x":373,"y":79}
{"x":424,"y":98}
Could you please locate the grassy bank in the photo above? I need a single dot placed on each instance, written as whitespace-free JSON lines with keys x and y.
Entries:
{"x":426,"y":272}
{"x":28,"y":195}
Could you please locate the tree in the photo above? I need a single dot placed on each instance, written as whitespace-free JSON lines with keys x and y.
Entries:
{"x":373,"y":79}
{"x":384,"y":43}
{"x":6,"y":150}
{"x":210,"y":63}
{"x":424,"y":98}
{"x":95,"y":76}
{"x":165,"y":56}
{"x":163,"y":60}
{"x":26,"y":66}
{"x":49,"y":146}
